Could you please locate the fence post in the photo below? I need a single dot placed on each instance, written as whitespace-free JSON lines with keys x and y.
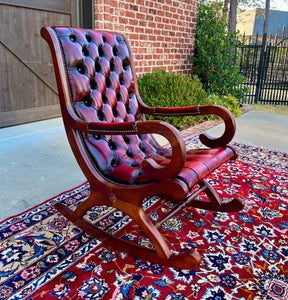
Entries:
{"x":260,"y":68}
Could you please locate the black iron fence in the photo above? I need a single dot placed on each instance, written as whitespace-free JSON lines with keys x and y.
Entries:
{"x":264,"y":63}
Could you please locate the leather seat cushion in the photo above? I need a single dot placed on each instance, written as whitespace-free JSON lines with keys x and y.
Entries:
{"x":121,"y":159}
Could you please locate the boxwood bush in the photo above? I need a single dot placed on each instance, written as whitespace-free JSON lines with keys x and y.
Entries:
{"x":228,"y":101}
{"x":162,"y":88}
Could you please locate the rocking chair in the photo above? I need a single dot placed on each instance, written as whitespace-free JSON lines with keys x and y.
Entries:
{"x":114,"y":145}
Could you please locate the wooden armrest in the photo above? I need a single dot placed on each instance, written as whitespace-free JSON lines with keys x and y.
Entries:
{"x":176,"y":111}
{"x":124,"y":128}
{"x":153,"y":170}
{"x":222,"y":112}
{"x":102,"y":128}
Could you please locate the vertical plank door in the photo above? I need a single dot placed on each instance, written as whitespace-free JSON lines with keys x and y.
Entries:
{"x":27,"y":83}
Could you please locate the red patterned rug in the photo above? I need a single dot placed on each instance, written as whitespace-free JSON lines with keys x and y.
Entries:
{"x":244,"y":255}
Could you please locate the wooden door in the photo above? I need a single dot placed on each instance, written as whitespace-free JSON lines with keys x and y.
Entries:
{"x":28,"y":89}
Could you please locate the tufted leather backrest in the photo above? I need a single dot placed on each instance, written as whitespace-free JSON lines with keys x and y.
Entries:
{"x":102,"y":88}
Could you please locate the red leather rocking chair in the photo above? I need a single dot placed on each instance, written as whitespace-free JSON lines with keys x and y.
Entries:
{"x":104,"y":120}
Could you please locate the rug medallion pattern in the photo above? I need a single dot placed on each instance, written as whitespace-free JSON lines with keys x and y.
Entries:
{"x":244,"y":255}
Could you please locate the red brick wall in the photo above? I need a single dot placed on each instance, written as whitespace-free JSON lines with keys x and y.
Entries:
{"x":161,"y":32}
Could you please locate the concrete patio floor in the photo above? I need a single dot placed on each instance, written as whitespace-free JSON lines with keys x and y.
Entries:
{"x":36,"y":162}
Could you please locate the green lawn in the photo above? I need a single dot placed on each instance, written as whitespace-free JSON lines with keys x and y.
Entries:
{"x":278,"y":109}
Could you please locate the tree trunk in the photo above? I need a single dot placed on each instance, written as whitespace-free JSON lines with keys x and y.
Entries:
{"x":225,"y":10}
{"x":266,"y":19}
{"x":232,"y":15}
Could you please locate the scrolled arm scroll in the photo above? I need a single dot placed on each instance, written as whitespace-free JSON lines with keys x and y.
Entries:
{"x":178,"y":157}
{"x":217,"y":110}
{"x":229,"y":122}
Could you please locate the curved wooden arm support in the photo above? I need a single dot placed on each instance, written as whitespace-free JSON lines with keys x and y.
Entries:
{"x":152,"y":169}
{"x":217,"y":110}
{"x":178,"y":157}
{"x":229,"y":122}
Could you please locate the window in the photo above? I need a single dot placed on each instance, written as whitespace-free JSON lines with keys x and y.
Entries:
{"x":85,"y":14}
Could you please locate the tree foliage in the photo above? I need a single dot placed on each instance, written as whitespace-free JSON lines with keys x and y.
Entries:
{"x":244,"y":4}
{"x":216,"y":59}
{"x":230,"y":7}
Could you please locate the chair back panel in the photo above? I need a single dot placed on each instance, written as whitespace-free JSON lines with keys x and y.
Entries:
{"x":100,"y":77}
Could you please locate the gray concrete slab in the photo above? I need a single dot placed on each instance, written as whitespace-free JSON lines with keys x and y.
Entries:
{"x":264,"y":129}
{"x":36,"y":162}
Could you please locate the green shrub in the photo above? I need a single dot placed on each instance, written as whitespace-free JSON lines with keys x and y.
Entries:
{"x":166,"y":89}
{"x":228,"y":101}
{"x":216,"y":60}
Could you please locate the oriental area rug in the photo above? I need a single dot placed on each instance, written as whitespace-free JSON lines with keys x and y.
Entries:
{"x":244,"y":254}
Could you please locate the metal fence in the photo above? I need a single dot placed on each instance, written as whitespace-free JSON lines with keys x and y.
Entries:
{"x":264,"y":63}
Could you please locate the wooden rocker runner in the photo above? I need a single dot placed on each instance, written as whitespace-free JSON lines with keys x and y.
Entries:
{"x":114,"y":145}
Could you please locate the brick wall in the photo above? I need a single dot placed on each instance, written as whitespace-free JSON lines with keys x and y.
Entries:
{"x":161,"y":32}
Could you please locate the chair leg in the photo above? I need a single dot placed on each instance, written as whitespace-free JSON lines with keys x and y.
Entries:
{"x":161,"y":255}
{"x":95,"y":199}
{"x":215,"y":203}
{"x":138,"y":215}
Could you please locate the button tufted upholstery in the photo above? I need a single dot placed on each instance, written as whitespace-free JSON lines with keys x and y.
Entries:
{"x":102,"y":90}
{"x":98,"y":66}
